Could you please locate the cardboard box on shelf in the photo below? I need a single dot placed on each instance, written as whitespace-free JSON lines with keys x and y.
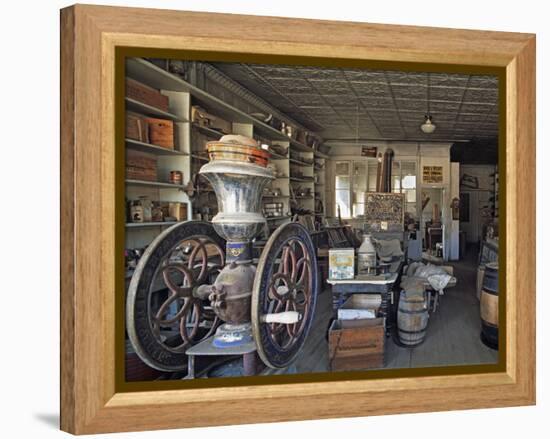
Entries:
{"x":202,"y":118}
{"x":178,"y":211}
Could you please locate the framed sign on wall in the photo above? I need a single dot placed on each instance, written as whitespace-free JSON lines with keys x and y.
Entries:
{"x":103,"y":46}
{"x":432,"y":174}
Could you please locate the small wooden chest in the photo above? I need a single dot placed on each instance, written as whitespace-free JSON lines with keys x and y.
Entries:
{"x":161,"y":132}
{"x":357,"y":344}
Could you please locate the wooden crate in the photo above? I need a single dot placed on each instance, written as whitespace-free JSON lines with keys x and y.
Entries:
{"x":145,"y":94}
{"x":161,"y":132}
{"x":357,"y":344}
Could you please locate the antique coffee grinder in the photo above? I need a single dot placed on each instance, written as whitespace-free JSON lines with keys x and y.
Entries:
{"x":197,"y":291}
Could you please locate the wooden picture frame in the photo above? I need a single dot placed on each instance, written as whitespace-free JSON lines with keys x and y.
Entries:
{"x":91,"y":399}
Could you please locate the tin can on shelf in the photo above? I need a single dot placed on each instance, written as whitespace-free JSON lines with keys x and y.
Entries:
{"x":176,"y":177}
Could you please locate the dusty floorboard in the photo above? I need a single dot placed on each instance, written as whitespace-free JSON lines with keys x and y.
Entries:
{"x":452,"y":336}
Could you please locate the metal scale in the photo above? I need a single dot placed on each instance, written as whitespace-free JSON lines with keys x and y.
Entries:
{"x":219,"y":303}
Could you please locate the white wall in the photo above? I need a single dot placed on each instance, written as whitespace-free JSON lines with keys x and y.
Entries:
{"x":453,"y":236}
{"x":479,"y":198}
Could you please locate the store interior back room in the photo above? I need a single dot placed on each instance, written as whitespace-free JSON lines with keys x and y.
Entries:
{"x":289,"y":219}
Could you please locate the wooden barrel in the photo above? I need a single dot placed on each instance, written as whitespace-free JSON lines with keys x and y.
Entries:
{"x":489,"y":306}
{"x":412,"y":318}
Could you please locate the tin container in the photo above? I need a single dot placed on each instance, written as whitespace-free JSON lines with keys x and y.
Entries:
{"x":176,"y":177}
{"x":341,"y":263}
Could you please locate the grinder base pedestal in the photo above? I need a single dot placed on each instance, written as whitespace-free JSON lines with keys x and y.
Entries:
{"x":207,"y":347}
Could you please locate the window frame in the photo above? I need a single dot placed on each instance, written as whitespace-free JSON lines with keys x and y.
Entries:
{"x":351,"y":189}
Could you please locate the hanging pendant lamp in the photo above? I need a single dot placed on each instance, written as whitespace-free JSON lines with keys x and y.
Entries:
{"x":428,"y":126}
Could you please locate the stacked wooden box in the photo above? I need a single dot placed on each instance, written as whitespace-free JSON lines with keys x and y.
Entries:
{"x":141,"y":166}
{"x":157,"y":131}
{"x":148,"y":95}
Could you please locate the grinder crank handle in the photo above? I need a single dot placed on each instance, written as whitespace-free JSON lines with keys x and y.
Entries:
{"x":286,"y":317}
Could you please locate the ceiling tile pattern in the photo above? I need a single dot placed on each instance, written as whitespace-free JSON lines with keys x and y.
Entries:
{"x":345,"y":104}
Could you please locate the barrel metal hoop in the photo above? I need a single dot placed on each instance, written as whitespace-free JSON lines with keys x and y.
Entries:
{"x":412,"y":332}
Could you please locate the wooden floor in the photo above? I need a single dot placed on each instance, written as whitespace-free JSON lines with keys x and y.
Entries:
{"x":452,"y":336}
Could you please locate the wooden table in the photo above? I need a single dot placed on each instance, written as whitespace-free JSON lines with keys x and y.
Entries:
{"x":369,"y":284}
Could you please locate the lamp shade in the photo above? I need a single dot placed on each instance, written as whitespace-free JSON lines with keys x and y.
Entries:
{"x":428,"y":126}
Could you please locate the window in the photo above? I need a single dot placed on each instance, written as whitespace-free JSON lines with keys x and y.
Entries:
{"x":342,"y":189}
{"x":353,"y":179}
{"x":360,"y":179}
{"x":372,"y":173}
{"x":408,"y":186}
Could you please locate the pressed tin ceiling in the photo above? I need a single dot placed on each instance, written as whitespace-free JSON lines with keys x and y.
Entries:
{"x":346,"y":104}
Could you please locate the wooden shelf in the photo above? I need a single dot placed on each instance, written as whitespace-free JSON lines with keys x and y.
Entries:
{"x":140,"y":107}
{"x":151,"y":224}
{"x":275,"y":156}
{"x":136,"y":145}
{"x":200,"y":157}
{"x":158,"y":184}
{"x":208,"y":131}
{"x":320,"y":154}
{"x":303,"y":180}
{"x":300,"y":163}
{"x":275,"y":218}
{"x":275,"y":196}
{"x":148,"y":73}
{"x":298,"y":146}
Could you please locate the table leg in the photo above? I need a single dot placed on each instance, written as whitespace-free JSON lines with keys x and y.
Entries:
{"x":190,"y":367}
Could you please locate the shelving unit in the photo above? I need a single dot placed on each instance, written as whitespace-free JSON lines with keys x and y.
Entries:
{"x":136,"y":145}
{"x":140,"y":107}
{"x":159,"y":184}
{"x":295,"y":169}
{"x":176,"y":159}
{"x":278,"y":218}
{"x":320,"y":188}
